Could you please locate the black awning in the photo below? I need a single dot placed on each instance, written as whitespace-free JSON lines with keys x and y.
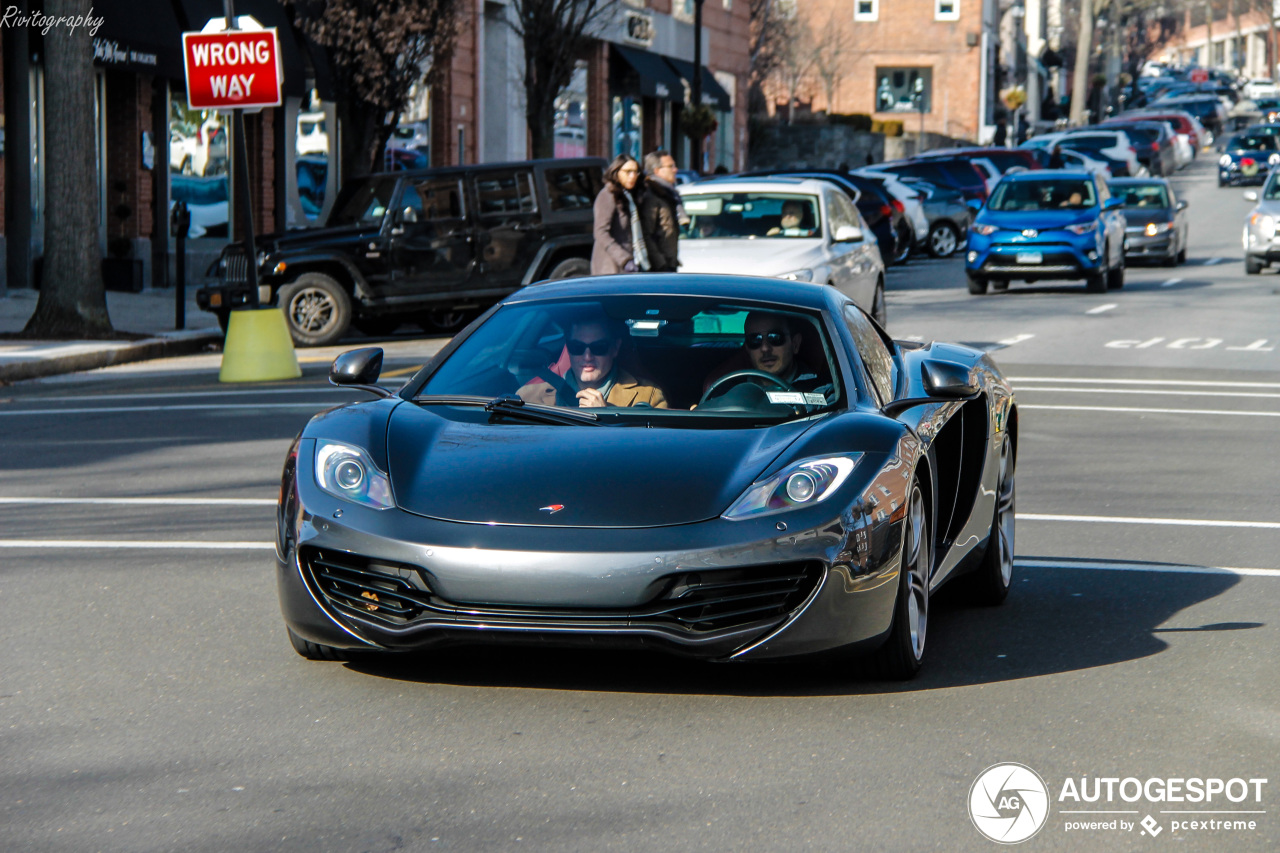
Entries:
{"x":146,"y":40}
{"x":713,"y":94}
{"x":657,"y":80}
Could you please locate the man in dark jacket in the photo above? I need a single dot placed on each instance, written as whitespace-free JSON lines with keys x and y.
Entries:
{"x":662,"y":212}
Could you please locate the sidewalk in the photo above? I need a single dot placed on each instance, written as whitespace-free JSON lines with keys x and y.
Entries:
{"x":150,"y":314}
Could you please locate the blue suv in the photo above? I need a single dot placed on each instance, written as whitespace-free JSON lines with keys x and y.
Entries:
{"x":1048,"y":224}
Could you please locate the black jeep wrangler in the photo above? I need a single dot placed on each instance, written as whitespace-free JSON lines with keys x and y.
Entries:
{"x":431,"y":247}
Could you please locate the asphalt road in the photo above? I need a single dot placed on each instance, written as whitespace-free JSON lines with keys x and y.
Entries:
{"x":149,"y":699}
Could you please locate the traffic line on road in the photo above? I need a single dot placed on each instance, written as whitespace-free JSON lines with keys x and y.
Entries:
{"x":143,"y":501}
{"x":1170,"y":522}
{"x":203,"y":407}
{"x":1171,"y":282}
{"x":1179,"y":382}
{"x":1169,"y":568}
{"x":144,"y":544}
{"x":1016,"y":339}
{"x":1102,"y":309}
{"x":1161,"y":391}
{"x":1140,"y":411}
{"x":1208,"y":262}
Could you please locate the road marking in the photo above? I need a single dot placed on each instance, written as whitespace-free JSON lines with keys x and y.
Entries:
{"x":1170,"y":522}
{"x":1189,"y":382}
{"x":1016,"y":339}
{"x":144,"y":544}
{"x":176,"y":408}
{"x":1149,"y":411}
{"x":1170,"y":568}
{"x":1101,"y":309}
{"x":403,"y":371}
{"x":144,"y":501}
{"x":1178,"y":393}
{"x":1208,"y":262}
{"x":264,"y":392}
{"x":1171,"y":282}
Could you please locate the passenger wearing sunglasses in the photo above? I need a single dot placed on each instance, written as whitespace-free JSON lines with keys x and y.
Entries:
{"x":594,"y":373}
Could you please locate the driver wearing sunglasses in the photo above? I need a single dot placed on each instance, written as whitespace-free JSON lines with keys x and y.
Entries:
{"x":594,"y":374}
{"x":772,"y":344}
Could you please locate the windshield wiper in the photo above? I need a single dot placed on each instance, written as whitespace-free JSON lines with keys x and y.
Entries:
{"x":509,"y":405}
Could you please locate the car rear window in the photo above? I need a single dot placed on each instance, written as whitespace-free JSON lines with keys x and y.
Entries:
{"x":1142,"y":196}
{"x":961,"y":172}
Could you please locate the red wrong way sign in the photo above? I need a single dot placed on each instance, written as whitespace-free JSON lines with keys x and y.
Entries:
{"x":232,"y":70}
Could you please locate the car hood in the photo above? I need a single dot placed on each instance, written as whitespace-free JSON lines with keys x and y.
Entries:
{"x":1040,"y":220}
{"x":307,"y":239}
{"x":601,"y":476}
{"x":1142,"y":216}
{"x":741,"y":256}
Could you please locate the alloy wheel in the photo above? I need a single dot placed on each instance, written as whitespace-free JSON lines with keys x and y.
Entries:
{"x":917,"y":573}
{"x":312,"y":310}
{"x":1005,"y":514}
{"x":942,"y":242}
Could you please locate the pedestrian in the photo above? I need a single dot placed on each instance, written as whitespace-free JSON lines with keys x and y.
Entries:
{"x":1002,"y":134}
{"x":619,"y":240}
{"x":1056,"y":160}
{"x":662,"y":211}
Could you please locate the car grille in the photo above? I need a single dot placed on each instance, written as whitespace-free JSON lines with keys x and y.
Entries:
{"x":690,"y":602}
{"x":1050,"y":262}
{"x":237,"y":268}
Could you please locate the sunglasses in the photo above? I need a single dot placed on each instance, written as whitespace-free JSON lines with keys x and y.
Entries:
{"x":600,"y":347}
{"x":775,"y":339}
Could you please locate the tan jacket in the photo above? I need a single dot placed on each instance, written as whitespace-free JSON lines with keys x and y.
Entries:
{"x":626,"y":391}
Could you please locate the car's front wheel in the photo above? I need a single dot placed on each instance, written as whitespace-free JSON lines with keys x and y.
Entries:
{"x":977,"y":286}
{"x":1115,"y":278}
{"x":570,"y":268}
{"x":1252,"y":265}
{"x":994,"y":575}
{"x":903,"y":652}
{"x":316,"y":308}
{"x":944,"y":239}
{"x":878,"y":309}
{"x":903,"y":239}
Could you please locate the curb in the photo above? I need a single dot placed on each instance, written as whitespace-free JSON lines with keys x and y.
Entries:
{"x":143,"y":350}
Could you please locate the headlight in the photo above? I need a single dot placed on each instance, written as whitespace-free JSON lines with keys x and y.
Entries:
{"x":800,"y":484}
{"x":985,"y":230}
{"x":798,"y":275}
{"x":347,"y":472}
{"x":1266,"y":224}
{"x":262,"y":258}
{"x":1224,"y":161}
{"x":1082,"y":228}
{"x":1154,"y":228}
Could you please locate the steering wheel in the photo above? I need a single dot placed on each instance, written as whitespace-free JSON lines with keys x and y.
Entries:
{"x":565,"y":395}
{"x":743,"y":374}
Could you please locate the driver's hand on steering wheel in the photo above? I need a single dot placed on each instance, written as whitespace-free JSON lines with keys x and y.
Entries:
{"x":590,"y":398}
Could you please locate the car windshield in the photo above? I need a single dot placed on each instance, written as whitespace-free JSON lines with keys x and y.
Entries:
{"x":1049,"y":194}
{"x":362,"y":202}
{"x":1272,"y":190}
{"x":751,"y":215}
{"x":671,"y":361}
{"x":1142,"y":196}
{"x":1252,"y":142}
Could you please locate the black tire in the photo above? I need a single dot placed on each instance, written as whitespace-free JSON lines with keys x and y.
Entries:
{"x":994,"y":576}
{"x":1171,"y":261}
{"x":450,"y":320}
{"x":316,"y":308}
{"x":977,"y":286}
{"x":999,"y":285}
{"x":378,"y":327}
{"x":1252,"y":265}
{"x":315,"y":651}
{"x":1097,"y":282}
{"x":943,"y":240}
{"x":1115,"y":278}
{"x":903,"y":241}
{"x":903,"y":651}
{"x":570,"y":268}
{"x":878,"y":310}
{"x":1182,"y":255}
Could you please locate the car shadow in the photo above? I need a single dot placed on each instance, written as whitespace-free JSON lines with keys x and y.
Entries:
{"x":1055,"y":620}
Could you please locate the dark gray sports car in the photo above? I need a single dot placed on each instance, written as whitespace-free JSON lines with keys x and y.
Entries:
{"x":725,"y":467}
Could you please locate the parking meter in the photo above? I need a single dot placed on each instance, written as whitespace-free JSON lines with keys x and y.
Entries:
{"x":180,"y":224}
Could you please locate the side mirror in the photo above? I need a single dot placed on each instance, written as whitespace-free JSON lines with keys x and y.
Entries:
{"x":409,"y":214}
{"x":1112,"y":203}
{"x":359,"y":368}
{"x":944,"y":381}
{"x":1250,"y":195}
{"x":1182,"y":205}
{"x":849,"y":234}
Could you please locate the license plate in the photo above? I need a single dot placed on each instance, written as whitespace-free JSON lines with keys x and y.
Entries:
{"x":1029,"y":258}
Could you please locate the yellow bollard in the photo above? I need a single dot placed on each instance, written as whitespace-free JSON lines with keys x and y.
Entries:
{"x":258,"y":347}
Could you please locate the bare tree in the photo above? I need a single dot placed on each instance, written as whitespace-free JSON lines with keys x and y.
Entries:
{"x":833,"y":45}
{"x":555,"y":35}
{"x":796,"y":61}
{"x":379,"y":49}
{"x":73,"y":301}
{"x":770,"y":30}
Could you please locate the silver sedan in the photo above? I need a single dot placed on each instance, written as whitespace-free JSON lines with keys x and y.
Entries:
{"x":1261,"y":239}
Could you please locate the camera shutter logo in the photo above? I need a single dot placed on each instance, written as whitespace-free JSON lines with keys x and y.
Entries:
{"x":1009,"y":803}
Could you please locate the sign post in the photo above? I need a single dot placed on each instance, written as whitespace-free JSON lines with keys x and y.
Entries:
{"x":234,"y":64}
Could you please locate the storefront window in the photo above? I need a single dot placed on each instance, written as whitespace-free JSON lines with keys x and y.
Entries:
{"x":571,"y":116}
{"x":628,"y":119}
{"x":199,"y":167}
{"x":903,"y":90}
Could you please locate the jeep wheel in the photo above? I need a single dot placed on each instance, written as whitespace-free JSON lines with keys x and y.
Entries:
{"x":445,"y":321}
{"x":570,"y":268}
{"x":316,"y":308}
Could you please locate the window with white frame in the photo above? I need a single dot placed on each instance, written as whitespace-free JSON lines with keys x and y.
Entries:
{"x":946,"y":10}
{"x":866,"y":10}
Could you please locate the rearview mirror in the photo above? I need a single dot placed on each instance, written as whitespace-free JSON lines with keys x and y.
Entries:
{"x":1182,"y":205}
{"x":359,"y":368}
{"x":1250,"y":195}
{"x":848,"y":234}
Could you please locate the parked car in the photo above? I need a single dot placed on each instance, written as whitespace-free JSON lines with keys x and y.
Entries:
{"x":1153,"y":142}
{"x":1111,"y":146}
{"x":955,"y":172}
{"x":1247,"y":158}
{"x":313,"y":135}
{"x":429,"y":246}
{"x":736,"y":228}
{"x":454,"y":511}
{"x":1080,"y":160}
{"x":1155,"y":220}
{"x":910,"y":198}
{"x":1261,"y":237}
{"x":1052,"y":224}
{"x":1260,"y":88}
{"x":1184,"y":124}
{"x":1207,"y":108}
{"x":948,"y":216}
{"x":1003,"y":158}
{"x":413,"y":135}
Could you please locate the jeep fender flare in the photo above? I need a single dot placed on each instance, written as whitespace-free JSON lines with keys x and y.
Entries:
{"x":350,"y":276}
{"x":542,"y":261}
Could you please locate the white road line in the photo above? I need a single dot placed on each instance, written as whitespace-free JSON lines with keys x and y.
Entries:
{"x":1169,"y":522}
{"x":1147,"y":567}
{"x":1101,"y":309}
{"x":1171,"y":282}
{"x":144,"y":544}
{"x":203,"y":407}
{"x":1016,"y":339}
{"x":1149,"y":391}
{"x":1179,"y":382}
{"x":1211,"y":261}
{"x":1136,"y":410}
{"x":262,"y":392}
{"x":144,"y":501}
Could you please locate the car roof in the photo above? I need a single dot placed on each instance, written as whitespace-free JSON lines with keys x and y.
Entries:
{"x":737,"y":287}
{"x":763,"y":184}
{"x":1044,"y":174}
{"x":1125,"y":182}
